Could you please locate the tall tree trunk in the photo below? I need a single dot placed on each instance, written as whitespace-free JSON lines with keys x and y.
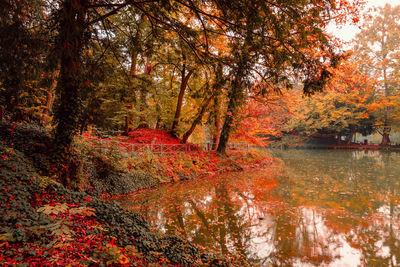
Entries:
{"x":135,"y":40}
{"x":12,"y":97}
{"x":143,"y":105}
{"x":350,"y":138}
{"x":71,"y":38}
{"x":196,"y":121}
{"x":184,"y":82}
{"x":128,"y":120}
{"x":339,"y":139}
{"x":386,"y":126}
{"x":217,"y":124}
{"x":129,"y":107}
{"x":219,"y":84}
{"x":83,"y":125}
{"x":386,"y":136}
{"x":180,"y":219}
{"x":143,"y":99}
{"x":235,"y":98}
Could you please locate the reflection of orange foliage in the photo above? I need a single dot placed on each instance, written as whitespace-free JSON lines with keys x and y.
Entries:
{"x":266,"y":183}
{"x":334,"y":222}
{"x":174,"y":167}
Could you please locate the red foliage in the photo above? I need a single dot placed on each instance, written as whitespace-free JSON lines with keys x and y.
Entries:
{"x":149,"y":136}
{"x":80,"y":246}
{"x":143,"y":136}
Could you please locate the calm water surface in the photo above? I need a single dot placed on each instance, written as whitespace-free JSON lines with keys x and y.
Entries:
{"x":314,"y":208}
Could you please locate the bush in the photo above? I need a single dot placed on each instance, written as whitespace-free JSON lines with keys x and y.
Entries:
{"x":18,"y":184}
{"x":30,"y":139}
{"x":27,"y":138}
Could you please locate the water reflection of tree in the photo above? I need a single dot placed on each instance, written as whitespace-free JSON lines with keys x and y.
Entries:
{"x":367,"y":198}
{"x":230,"y":223}
{"x":298,"y":235}
{"x":175,"y":222}
{"x":324,"y":201}
{"x":379,"y":240}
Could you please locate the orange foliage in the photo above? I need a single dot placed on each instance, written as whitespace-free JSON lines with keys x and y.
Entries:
{"x":265,"y":117}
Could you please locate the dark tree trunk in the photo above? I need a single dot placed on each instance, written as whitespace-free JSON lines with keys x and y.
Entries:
{"x":235,"y":98}
{"x":339,"y":139}
{"x":143,"y":105}
{"x":184,"y":82}
{"x":12,"y":97}
{"x":134,"y":57}
{"x":196,"y":121}
{"x":386,"y":136}
{"x":217,"y":124}
{"x":386,"y":127}
{"x":83,"y":125}
{"x":129,"y":107}
{"x":350,"y":138}
{"x":128,"y":120}
{"x":219,"y":84}
{"x":159,"y":121}
{"x":71,"y":39}
{"x":143,"y":99}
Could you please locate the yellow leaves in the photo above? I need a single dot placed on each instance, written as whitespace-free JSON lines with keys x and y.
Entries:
{"x":58,"y":208}
{"x":349,"y":98}
{"x":63,"y":208}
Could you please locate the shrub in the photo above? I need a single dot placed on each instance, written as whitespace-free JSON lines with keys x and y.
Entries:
{"x":30,"y":139}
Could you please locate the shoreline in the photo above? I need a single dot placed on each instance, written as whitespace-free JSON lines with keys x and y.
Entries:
{"x":268,"y":162}
{"x":341,"y":147}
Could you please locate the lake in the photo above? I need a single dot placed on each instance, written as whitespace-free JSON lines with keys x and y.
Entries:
{"x":311,"y":208}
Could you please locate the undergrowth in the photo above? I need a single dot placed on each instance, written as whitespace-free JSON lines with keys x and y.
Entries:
{"x":44,"y":224}
{"x":159,"y":168}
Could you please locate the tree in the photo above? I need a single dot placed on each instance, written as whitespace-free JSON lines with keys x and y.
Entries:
{"x":272,"y":44}
{"x":378,"y":45}
{"x":263,"y":117}
{"x":268,"y":41}
{"x":21,"y":50}
{"x":72,"y":29}
{"x":218,"y":84}
{"x":185,"y":76}
{"x":344,"y":109}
